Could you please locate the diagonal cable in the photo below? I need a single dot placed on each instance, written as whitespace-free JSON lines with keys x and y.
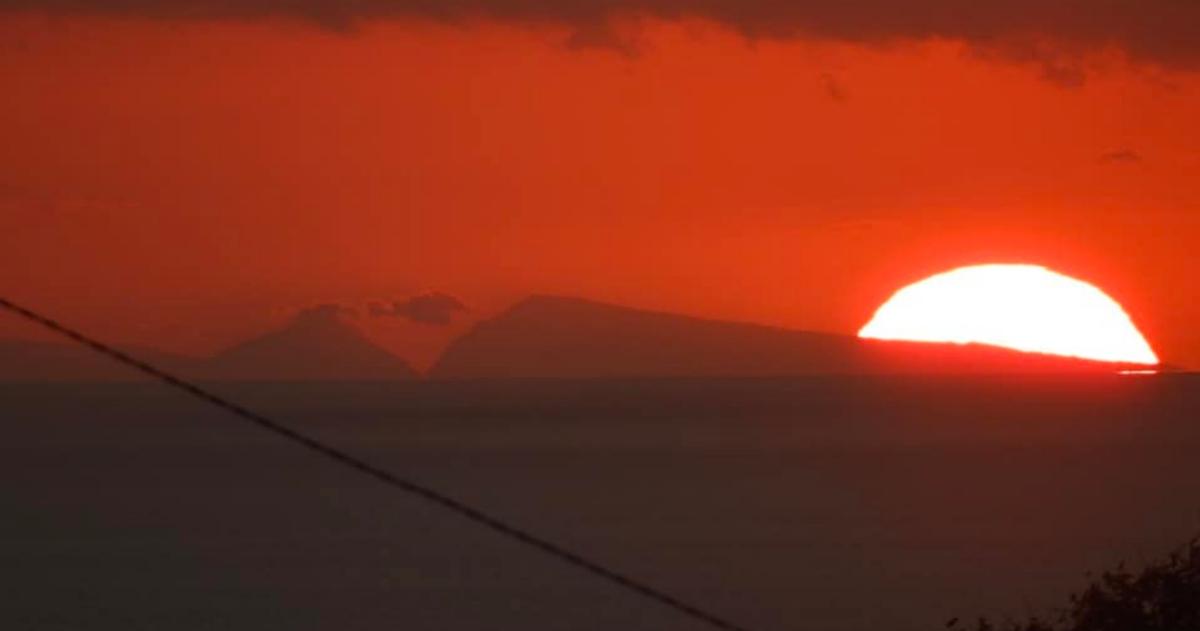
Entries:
{"x":382,"y":475}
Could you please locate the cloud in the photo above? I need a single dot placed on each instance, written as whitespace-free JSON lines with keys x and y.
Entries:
{"x":605,"y":35}
{"x":1061,"y":62}
{"x":325,"y":313}
{"x":833,"y":88}
{"x":1166,"y":32}
{"x":1121,"y":155}
{"x":434,"y":308}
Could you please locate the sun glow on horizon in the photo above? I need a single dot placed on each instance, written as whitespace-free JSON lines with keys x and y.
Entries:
{"x":1022,"y":307}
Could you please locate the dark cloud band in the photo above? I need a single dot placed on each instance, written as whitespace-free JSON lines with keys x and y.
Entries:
{"x":1162,"y":31}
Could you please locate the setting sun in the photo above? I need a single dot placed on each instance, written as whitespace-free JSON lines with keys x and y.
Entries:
{"x":1022,"y":307}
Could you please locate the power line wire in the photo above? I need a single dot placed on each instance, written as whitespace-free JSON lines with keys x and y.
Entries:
{"x":380,"y":474}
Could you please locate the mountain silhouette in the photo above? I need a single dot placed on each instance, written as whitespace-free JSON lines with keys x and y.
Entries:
{"x":318,"y":344}
{"x":552,"y":336}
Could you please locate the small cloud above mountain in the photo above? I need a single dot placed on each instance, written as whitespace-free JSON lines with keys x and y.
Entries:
{"x":1121,"y":156}
{"x":433,"y":308}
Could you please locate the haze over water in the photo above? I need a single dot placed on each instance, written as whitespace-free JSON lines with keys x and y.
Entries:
{"x":840,"y":503}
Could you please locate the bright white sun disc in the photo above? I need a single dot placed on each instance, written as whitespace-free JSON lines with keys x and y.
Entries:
{"x":1022,"y":307}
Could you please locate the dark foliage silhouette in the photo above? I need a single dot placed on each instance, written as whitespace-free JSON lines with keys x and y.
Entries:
{"x":1163,"y":596}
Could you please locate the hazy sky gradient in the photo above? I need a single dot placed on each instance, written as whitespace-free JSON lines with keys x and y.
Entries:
{"x":184,"y":183}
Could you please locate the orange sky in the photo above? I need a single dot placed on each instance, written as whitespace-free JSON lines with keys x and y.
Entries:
{"x":185,"y":184}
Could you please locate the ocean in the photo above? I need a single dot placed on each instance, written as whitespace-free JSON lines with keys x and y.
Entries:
{"x":831,"y":503}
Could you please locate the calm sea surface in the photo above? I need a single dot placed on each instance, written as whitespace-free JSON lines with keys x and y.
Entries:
{"x":814,"y":503}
